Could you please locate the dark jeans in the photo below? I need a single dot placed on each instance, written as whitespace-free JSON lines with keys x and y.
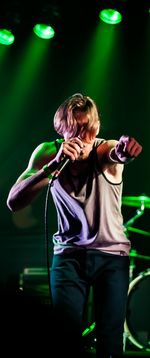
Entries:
{"x":71,"y":278}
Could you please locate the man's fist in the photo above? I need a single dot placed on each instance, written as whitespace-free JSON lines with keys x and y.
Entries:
{"x":127,"y":148}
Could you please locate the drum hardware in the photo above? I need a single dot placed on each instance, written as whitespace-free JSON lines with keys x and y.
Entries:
{"x":134,"y":255}
{"x":127,"y":333}
{"x":137,"y":323}
{"x":139,"y":212}
{"x":89,"y":345}
{"x":128,"y":227}
{"x":88,"y":329}
{"x":141,"y":201}
{"x":138,"y":231}
{"x":132,"y":266}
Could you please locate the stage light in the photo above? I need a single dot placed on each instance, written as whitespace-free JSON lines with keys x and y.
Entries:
{"x":6,"y":37}
{"x":110,"y":16}
{"x":10,"y":19}
{"x":46,"y":21}
{"x":44,"y":31}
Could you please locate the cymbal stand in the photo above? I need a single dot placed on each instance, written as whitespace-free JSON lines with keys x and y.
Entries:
{"x":132,"y":266}
{"x":139,"y":212}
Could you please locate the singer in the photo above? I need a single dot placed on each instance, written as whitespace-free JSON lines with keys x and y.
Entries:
{"x":90,"y":246}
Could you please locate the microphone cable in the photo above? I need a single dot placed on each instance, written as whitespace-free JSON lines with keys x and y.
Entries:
{"x":57,"y":172}
{"x":46,"y":236}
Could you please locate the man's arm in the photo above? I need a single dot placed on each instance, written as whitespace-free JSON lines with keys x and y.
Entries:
{"x":119,"y":152}
{"x":43,"y":163}
{"x":34,"y":178}
{"x":112,"y":155}
{"x":125,"y":150}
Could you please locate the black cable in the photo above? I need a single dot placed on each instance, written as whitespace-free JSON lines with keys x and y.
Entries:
{"x":46,"y":235}
{"x":57,"y":172}
{"x":57,"y":144}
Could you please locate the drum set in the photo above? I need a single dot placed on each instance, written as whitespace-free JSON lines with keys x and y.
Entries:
{"x":137,"y":322}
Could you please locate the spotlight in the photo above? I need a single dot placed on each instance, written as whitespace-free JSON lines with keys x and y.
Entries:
{"x":9,"y":21}
{"x":112,"y":11}
{"x":110,"y":16}
{"x":6,"y":37}
{"x":45,"y":21}
{"x":44,"y":31}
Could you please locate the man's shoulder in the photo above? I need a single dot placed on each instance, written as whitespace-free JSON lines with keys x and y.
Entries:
{"x":44,"y":152}
{"x":48,"y":147}
{"x":110,"y":142}
{"x":99,"y":141}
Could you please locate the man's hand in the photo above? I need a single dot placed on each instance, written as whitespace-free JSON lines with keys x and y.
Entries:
{"x":127,"y":148}
{"x":71,"y":148}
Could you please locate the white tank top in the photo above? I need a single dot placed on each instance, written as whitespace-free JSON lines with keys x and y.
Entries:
{"x":89,"y":211}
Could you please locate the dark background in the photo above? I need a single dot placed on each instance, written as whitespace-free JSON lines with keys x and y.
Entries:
{"x":122,"y":92}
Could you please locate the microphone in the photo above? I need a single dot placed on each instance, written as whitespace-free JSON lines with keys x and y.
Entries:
{"x":60,"y":168}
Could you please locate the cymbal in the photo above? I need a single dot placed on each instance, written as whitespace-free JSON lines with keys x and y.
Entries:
{"x":136,"y":201}
{"x":133,"y":253}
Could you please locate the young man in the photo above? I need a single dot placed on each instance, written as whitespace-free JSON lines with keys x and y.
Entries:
{"x":90,"y":245}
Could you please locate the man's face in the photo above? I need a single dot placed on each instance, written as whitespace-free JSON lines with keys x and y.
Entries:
{"x":82,"y":119}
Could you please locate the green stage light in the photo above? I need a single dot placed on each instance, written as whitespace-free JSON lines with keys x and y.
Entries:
{"x":44,"y":31}
{"x":110,"y":16}
{"x":6,"y":37}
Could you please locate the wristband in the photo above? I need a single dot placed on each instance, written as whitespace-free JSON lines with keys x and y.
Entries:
{"x":120,"y":150}
{"x":47,"y":172}
{"x":112,"y":156}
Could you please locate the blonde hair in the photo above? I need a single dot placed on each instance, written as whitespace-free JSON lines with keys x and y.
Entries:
{"x":65,"y":121}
